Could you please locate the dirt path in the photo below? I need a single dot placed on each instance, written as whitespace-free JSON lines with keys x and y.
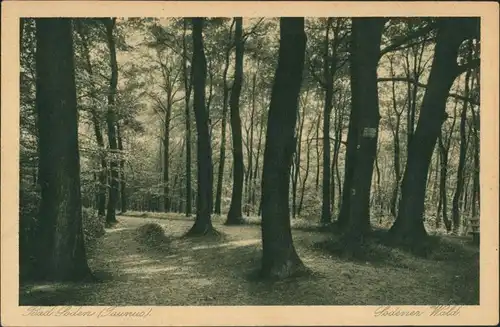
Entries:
{"x":216,"y":272}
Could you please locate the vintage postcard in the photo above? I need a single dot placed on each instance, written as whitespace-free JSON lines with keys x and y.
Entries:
{"x":249,"y":163}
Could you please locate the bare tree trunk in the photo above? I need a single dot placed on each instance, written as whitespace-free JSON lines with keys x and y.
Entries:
{"x":222,"y":155}
{"x":101,"y":193}
{"x":408,"y":227}
{"x":235,"y":215}
{"x":187,"y":88}
{"x":109,"y":23}
{"x":60,"y":251}
{"x":365,"y":53}
{"x":463,"y":151}
{"x":279,"y":258}
{"x":203,"y":222}
{"x":123,"y":184}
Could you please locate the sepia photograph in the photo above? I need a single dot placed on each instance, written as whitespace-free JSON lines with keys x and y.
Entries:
{"x":250,"y":160}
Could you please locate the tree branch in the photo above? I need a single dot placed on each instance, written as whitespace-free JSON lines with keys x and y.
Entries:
{"x":405,"y":79}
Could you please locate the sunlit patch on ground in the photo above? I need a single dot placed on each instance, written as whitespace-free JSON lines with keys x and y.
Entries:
{"x":216,"y":272}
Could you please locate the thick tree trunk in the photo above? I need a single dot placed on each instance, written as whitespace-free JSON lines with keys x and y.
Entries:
{"x":235,"y":215}
{"x":408,"y":227}
{"x":109,"y":23}
{"x":222,"y":155}
{"x":365,"y":53}
{"x":203,"y":223}
{"x":279,"y":258}
{"x":60,"y":251}
{"x":187,"y":89}
{"x":352,"y":141}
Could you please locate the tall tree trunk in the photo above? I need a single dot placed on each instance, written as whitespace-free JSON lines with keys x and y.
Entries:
{"x":235,"y":216}
{"x":328,"y":68}
{"x":443,"y":198}
{"x":365,"y":53}
{"x":101,"y":193}
{"x":297,"y":157}
{"x":187,"y":89}
{"x":222,"y":155}
{"x":203,"y":223}
{"x":250,"y":141}
{"x":336,"y":152}
{"x":123,"y":184}
{"x":397,"y":148}
{"x":317,"y":152}
{"x":109,"y":23}
{"x":463,"y":151}
{"x":408,"y":227}
{"x":279,"y":258}
{"x":308,"y":163}
{"x":257,"y":158}
{"x":475,"y":180}
{"x":166,"y":151}
{"x":60,"y":251}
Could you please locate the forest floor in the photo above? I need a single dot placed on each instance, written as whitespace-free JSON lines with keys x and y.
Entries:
{"x":220,"y":270}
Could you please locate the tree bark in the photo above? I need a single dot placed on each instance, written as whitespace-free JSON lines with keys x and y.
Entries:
{"x":408,"y":227}
{"x":101,"y":193}
{"x":365,"y":52}
{"x":222,"y":155}
{"x":60,"y":251}
{"x":109,"y":23}
{"x":463,"y":151}
{"x":203,"y":222}
{"x":235,"y":216}
{"x":187,"y":88}
{"x":279,"y":258}
{"x":123,"y":183}
{"x":328,"y":71}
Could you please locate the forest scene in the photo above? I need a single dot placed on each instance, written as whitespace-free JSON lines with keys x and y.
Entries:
{"x":249,"y":161}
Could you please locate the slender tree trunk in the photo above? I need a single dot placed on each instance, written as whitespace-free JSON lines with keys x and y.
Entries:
{"x":317,"y":152}
{"x":109,"y":23}
{"x":187,"y":88}
{"x":222,"y":155}
{"x":397,"y":150}
{"x":203,"y":223}
{"x":443,"y":204}
{"x":235,"y":215}
{"x":408,"y":227}
{"x":101,"y":193}
{"x":463,"y":151}
{"x":279,"y":258}
{"x":123,"y":184}
{"x":328,"y":68}
{"x":257,"y":158}
{"x":365,"y":53}
{"x":475,"y":180}
{"x":60,"y":251}
{"x":166,"y":153}
{"x":297,"y":157}
{"x":308,"y":163}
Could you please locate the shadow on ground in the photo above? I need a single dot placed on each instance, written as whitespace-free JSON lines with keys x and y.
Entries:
{"x":168,"y":269}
